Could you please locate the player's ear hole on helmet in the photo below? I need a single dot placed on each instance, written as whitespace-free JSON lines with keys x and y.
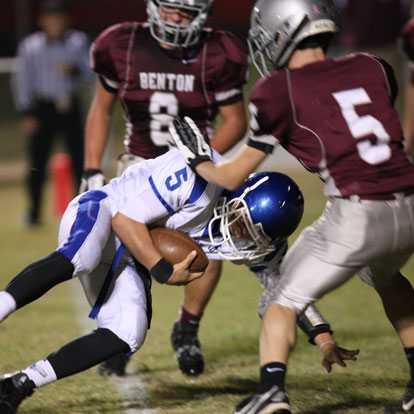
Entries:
{"x":321,"y":40}
{"x":278,"y":38}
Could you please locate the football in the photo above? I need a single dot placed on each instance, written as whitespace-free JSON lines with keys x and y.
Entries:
{"x":175,"y":246}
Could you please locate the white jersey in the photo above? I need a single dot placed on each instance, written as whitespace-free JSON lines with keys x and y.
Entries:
{"x":165,"y":192}
{"x":159,"y":192}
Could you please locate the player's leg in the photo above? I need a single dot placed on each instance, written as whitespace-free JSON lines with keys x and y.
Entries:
{"x":73,"y":132}
{"x":398,"y":301}
{"x":76,"y":356}
{"x":116,"y":365}
{"x":127,"y":313}
{"x":40,"y":145}
{"x":314,"y":265}
{"x":305,"y":279}
{"x":122,"y":326}
{"x":184,"y":336}
{"x":396,"y":291}
{"x":84,"y":231}
{"x":397,"y":295}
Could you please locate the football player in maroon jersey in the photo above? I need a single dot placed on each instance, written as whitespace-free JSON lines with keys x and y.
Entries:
{"x":336,"y":116}
{"x":407,"y":42}
{"x":167,"y":67}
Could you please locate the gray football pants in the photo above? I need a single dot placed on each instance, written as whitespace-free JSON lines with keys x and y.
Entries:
{"x":371,"y":238}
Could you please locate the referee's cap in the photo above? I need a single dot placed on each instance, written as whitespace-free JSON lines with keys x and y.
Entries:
{"x":53,"y":6}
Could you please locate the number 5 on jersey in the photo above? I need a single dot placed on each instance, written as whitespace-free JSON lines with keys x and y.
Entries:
{"x":361,"y":126}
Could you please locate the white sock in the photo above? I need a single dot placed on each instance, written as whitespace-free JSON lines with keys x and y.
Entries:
{"x":7,"y":305}
{"x":41,"y":373}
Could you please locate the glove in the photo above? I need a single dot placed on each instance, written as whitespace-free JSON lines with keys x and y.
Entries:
{"x":91,"y":179}
{"x":193,"y":145}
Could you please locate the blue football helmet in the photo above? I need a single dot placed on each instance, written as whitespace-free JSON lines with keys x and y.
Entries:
{"x":271,"y":207}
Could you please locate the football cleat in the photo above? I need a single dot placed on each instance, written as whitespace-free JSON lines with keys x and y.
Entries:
{"x":14,"y":388}
{"x":115,"y":365}
{"x":274,"y":401}
{"x":187,"y":349}
{"x":405,"y":405}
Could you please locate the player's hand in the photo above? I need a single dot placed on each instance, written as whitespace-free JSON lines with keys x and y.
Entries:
{"x":182,"y":274}
{"x":194,"y":146}
{"x":91,"y":179}
{"x":333,"y":354}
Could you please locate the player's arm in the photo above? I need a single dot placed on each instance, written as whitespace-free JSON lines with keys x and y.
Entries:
{"x":137,"y":239}
{"x":233,"y":128}
{"x":230,"y":174}
{"x":315,"y":326}
{"x":97,"y":128}
{"x":195,"y":149}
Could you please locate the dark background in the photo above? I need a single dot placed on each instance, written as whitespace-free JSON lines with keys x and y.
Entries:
{"x":18,"y":17}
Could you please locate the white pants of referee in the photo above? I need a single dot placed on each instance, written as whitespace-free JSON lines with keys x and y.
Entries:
{"x":86,"y":238}
{"x":371,"y":238}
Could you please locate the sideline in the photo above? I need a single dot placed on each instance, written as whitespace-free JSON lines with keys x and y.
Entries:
{"x":130,"y":387}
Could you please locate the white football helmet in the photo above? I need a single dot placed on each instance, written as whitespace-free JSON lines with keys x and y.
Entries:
{"x":278,"y":26}
{"x":178,"y":35}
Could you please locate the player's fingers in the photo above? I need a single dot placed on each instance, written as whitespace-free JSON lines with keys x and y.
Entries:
{"x":194,"y":276}
{"x":349,"y":354}
{"x":339,"y":361}
{"x":191,"y":256}
{"x":192,"y":125}
{"x":327,"y":365}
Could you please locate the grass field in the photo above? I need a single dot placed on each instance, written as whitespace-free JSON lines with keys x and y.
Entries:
{"x":229,"y":337}
{"x":228,"y":334}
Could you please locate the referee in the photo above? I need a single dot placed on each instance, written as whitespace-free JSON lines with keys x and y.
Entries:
{"x":51,"y":65}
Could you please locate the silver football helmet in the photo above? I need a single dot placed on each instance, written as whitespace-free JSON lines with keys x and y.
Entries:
{"x":173,"y":34}
{"x":278,"y":26}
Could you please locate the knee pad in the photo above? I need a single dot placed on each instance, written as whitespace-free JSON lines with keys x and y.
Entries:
{"x":133,"y":331}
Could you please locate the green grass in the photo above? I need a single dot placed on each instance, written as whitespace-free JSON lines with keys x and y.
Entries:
{"x":229,"y":337}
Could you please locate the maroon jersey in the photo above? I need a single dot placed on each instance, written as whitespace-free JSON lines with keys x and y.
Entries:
{"x":336,"y":117}
{"x":155,"y":84}
{"x":407,"y":43}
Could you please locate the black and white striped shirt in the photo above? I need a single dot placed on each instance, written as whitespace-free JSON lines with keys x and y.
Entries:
{"x":37,"y":76}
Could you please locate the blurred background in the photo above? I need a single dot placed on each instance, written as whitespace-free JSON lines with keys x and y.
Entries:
{"x":18,"y":18}
{"x":368,"y":25}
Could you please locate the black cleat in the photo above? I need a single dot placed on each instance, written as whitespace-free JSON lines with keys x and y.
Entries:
{"x":14,"y":388}
{"x":274,"y":401}
{"x":405,"y":405}
{"x":187,"y":349}
{"x":115,"y":365}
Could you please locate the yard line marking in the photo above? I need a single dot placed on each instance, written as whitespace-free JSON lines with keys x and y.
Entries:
{"x":131,"y":387}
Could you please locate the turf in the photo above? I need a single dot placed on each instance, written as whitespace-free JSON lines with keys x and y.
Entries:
{"x":228,"y":335}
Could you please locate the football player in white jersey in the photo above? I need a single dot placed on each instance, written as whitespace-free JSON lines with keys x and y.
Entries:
{"x":104,"y":239}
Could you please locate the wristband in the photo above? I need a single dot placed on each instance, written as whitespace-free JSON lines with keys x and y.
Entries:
{"x":326,"y":343}
{"x":198,"y":160}
{"x":90,"y":172}
{"x":162,"y":270}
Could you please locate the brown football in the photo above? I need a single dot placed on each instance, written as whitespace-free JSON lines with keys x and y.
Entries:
{"x":175,"y":246}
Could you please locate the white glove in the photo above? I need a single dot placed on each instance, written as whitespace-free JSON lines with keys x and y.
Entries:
{"x":193,"y":145}
{"x":91,"y":179}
